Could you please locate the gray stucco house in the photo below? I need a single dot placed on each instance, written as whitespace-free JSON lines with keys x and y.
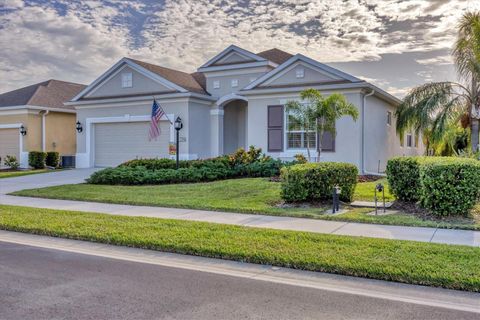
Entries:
{"x":234,"y":100}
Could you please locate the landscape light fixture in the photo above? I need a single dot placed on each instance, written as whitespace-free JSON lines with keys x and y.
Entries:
{"x":336,"y":199}
{"x":178,"y":125}
{"x":379,"y":188}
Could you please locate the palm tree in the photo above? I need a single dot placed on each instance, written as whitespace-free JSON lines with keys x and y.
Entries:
{"x":433,"y":107}
{"x":317,"y":114}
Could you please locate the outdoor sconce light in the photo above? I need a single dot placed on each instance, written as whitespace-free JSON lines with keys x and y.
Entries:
{"x":336,"y":199}
{"x":380,"y":188}
{"x":23,"y":131}
{"x":79,"y":127}
{"x":178,"y":125}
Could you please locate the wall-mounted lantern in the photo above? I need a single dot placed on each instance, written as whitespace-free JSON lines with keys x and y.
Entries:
{"x":23,"y":130}
{"x":79,"y":127}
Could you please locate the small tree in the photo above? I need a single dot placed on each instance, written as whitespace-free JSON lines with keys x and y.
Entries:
{"x":319,"y":113}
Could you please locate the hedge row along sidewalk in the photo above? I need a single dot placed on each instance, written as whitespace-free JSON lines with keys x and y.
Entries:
{"x":454,"y":267}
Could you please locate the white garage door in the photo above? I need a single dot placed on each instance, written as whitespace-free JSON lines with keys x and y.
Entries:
{"x":9,"y":144}
{"x":119,"y":142}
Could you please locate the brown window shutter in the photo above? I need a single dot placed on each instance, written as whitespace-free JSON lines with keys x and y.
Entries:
{"x":275,"y":128}
{"x":328,"y":142}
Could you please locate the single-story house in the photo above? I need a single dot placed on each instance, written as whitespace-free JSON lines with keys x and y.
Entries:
{"x":236,"y":99}
{"x":34,"y":118}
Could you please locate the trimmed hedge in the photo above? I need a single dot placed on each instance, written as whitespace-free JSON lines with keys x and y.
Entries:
{"x":449,"y":186}
{"x":52,"y":159}
{"x":403,"y":175}
{"x":36,"y":159}
{"x":442,"y":185}
{"x":315,"y":181}
{"x":198,"y":171}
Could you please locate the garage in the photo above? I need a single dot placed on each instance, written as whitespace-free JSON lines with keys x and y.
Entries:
{"x":9,"y":143}
{"x":116,"y":143}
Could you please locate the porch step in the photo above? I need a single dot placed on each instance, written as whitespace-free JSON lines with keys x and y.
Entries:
{"x":368,"y":204}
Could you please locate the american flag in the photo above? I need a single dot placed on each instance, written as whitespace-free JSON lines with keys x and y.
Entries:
{"x":157,"y":114}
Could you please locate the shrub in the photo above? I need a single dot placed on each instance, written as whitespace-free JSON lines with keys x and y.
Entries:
{"x":52,"y":159}
{"x":403,"y":175}
{"x":300,"y":158}
{"x":245,"y":157}
{"x":11,"y":161}
{"x":315,"y":181}
{"x":449,"y":186}
{"x":36,"y":159}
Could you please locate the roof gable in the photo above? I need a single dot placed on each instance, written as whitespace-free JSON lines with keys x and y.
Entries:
{"x":173,"y":80}
{"x":318,"y":73}
{"x":275,"y":55}
{"x":232,"y":55}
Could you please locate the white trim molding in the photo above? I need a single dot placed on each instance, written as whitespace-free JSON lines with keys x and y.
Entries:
{"x":228,"y":51}
{"x":23,"y":155}
{"x":229,"y":97}
{"x":87,"y":159}
{"x":217,"y":112}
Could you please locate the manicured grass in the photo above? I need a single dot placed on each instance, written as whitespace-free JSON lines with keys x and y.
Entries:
{"x":252,"y":195}
{"x":455,"y":267}
{"x":11,"y":174}
{"x":365,"y":191}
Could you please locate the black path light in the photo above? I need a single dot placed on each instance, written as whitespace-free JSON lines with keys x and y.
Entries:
{"x":336,"y":199}
{"x":79,"y":127}
{"x":380,"y":188}
{"x":178,"y":125}
{"x":23,"y":130}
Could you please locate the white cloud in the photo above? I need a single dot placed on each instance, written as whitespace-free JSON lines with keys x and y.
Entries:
{"x":91,"y":36}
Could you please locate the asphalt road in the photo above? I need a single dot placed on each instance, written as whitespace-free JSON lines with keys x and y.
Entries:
{"x":37,"y":283}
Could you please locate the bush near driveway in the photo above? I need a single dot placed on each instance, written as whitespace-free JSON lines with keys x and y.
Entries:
{"x":52,"y":159}
{"x":443,"y":185}
{"x":36,"y":159}
{"x":315,"y":181}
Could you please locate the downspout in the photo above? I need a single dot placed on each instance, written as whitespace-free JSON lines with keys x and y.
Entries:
{"x":362,"y":160}
{"x":44,"y":142}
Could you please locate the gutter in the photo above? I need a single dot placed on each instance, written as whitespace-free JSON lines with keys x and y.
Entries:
{"x":44,"y":138}
{"x":362,"y":159}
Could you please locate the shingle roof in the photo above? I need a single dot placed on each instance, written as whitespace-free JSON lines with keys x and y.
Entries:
{"x":275,"y":55}
{"x":191,"y":82}
{"x":50,"y":93}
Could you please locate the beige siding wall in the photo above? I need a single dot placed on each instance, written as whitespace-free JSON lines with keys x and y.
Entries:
{"x":60,"y":133}
{"x":33,"y":139}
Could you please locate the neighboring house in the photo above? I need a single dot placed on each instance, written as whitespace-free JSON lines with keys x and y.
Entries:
{"x":236,"y":99}
{"x":38,"y":111}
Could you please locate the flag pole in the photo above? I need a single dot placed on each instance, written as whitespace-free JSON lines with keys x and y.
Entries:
{"x":165,"y":112}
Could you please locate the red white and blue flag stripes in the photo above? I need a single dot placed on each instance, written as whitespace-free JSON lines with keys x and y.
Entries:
{"x":157,"y":114}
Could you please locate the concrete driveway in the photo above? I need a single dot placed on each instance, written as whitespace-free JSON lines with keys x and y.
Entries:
{"x":42,"y":180}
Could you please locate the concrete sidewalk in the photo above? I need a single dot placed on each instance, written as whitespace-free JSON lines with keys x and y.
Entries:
{"x":457,"y":237}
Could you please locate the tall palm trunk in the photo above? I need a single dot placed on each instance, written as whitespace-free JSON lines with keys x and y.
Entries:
{"x":474,"y":129}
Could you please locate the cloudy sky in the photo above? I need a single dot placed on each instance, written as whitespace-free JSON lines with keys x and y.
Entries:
{"x":395,"y":44}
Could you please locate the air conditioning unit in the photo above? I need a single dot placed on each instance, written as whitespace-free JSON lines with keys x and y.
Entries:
{"x":68,"y":161}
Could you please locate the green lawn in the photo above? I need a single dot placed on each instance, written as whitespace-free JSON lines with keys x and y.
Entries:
{"x":366,"y":191}
{"x":252,"y":195}
{"x":455,"y":267}
{"x":11,"y":174}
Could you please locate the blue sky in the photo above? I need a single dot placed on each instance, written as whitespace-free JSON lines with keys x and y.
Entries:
{"x":395,"y":44}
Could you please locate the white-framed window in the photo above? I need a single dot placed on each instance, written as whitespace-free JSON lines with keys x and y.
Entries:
{"x":297,"y":137}
{"x":127,"y":80}
{"x":234,"y":83}
{"x":300,"y":72}
{"x":216,"y":84}
{"x":389,"y":118}
{"x":409,"y":140}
